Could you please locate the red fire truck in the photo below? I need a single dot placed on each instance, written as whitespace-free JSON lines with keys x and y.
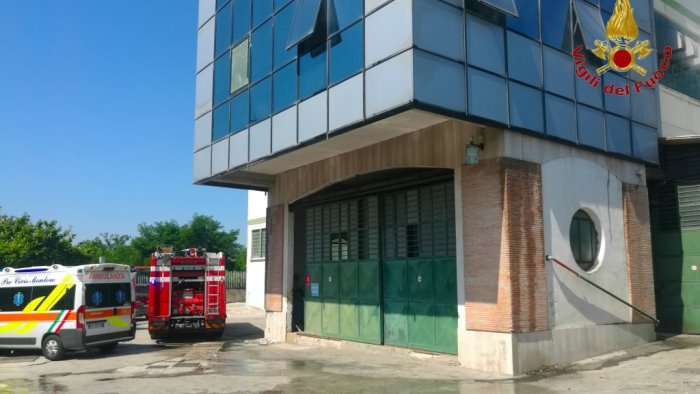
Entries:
{"x":186,"y":294}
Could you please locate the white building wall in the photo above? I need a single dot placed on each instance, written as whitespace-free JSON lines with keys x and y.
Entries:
{"x":570,"y":184}
{"x":580,"y":324}
{"x":255,"y":268}
{"x":680,"y":115}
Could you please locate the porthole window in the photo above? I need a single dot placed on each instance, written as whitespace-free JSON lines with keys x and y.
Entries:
{"x":583,"y":237}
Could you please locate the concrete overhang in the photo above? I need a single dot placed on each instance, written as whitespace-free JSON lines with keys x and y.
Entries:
{"x":259,"y":175}
{"x":689,"y":139}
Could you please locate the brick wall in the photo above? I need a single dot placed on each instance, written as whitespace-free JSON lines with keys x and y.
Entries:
{"x":505,"y":280}
{"x":640,"y":272}
{"x":274,"y":258}
{"x":523,"y":197}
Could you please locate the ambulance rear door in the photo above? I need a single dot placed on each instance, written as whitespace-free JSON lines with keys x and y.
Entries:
{"x":108,"y":297}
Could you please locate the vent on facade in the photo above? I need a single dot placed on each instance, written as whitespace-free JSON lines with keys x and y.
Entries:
{"x":689,"y":206}
{"x":668,"y":207}
{"x":681,"y":162}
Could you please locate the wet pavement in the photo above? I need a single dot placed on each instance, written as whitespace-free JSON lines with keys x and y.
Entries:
{"x":244,"y":362}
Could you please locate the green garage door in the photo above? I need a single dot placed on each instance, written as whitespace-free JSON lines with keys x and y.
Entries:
{"x":404,"y":296}
{"x":420,"y":280}
{"x":677,"y":258}
{"x":342,"y":297}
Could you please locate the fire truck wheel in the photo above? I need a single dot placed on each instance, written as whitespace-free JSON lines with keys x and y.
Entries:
{"x":52,"y":348}
{"x":109,"y":348}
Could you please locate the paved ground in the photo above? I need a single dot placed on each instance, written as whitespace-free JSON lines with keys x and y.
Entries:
{"x":242,"y":362}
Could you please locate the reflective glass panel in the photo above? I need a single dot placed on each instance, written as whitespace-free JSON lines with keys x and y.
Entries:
{"x":221,"y":119}
{"x":644,"y":108}
{"x":284,"y":84}
{"x":205,"y":45}
{"x":527,"y":21}
{"x":642,"y":14}
{"x":682,"y":76}
{"x":558,"y":72}
{"x":312,"y":71}
{"x":507,"y":6}
{"x":304,"y":21}
{"x":207,"y":8}
{"x":280,"y":3}
{"x":222,"y":78}
{"x":561,"y":117}
{"x":438,"y":81}
{"x":556,"y":29}
{"x":283,"y":21}
{"x":432,"y":22}
{"x":487,"y":96}
{"x":239,"y":112}
{"x":591,"y":127}
{"x":261,"y":52}
{"x":262,"y":9}
{"x":204,"y":88}
{"x":524,"y":59}
{"x":241,"y":19}
{"x":485,"y":45}
{"x":585,"y":93}
{"x":239,"y":66}
{"x":342,"y":13}
{"x":591,"y":23}
{"x":618,"y":104}
{"x":618,"y":134}
{"x":650,"y":62}
{"x":526,"y":107}
{"x":260,"y":100}
{"x":223,"y":30}
{"x":644,"y":143}
{"x":607,"y":5}
{"x":346,"y":53}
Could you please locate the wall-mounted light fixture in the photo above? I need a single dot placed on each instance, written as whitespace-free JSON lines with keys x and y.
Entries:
{"x":472,"y":151}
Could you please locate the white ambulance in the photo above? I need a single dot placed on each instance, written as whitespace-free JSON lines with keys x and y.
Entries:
{"x":59,"y":309}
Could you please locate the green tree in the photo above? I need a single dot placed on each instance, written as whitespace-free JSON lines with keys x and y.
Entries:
{"x":240,"y":263}
{"x":114,"y":248}
{"x":153,"y":235}
{"x":200,"y":232}
{"x":25,"y":244}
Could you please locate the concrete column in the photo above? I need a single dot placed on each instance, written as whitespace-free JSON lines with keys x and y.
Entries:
{"x":504,"y":269}
{"x":276,"y":324}
{"x":459,"y":234}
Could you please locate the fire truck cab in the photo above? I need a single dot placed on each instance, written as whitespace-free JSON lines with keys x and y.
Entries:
{"x":186,"y":294}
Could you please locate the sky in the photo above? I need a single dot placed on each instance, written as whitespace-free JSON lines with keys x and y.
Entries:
{"x":96,"y":116}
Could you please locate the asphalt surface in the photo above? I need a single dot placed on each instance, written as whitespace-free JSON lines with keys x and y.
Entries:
{"x":244,"y":362}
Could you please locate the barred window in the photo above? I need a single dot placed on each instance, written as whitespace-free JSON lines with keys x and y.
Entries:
{"x":258,"y":243}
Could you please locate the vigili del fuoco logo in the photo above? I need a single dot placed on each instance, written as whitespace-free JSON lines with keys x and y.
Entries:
{"x":621,"y":51}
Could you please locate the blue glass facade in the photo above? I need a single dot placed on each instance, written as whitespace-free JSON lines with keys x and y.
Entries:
{"x":470,"y":60}
{"x":683,"y":75}
{"x":279,"y":76}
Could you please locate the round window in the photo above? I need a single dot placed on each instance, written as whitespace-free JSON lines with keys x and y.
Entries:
{"x":583,"y":238}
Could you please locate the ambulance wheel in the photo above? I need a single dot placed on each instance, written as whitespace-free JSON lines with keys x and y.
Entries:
{"x":109,"y":348}
{"x":52,"y":348}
